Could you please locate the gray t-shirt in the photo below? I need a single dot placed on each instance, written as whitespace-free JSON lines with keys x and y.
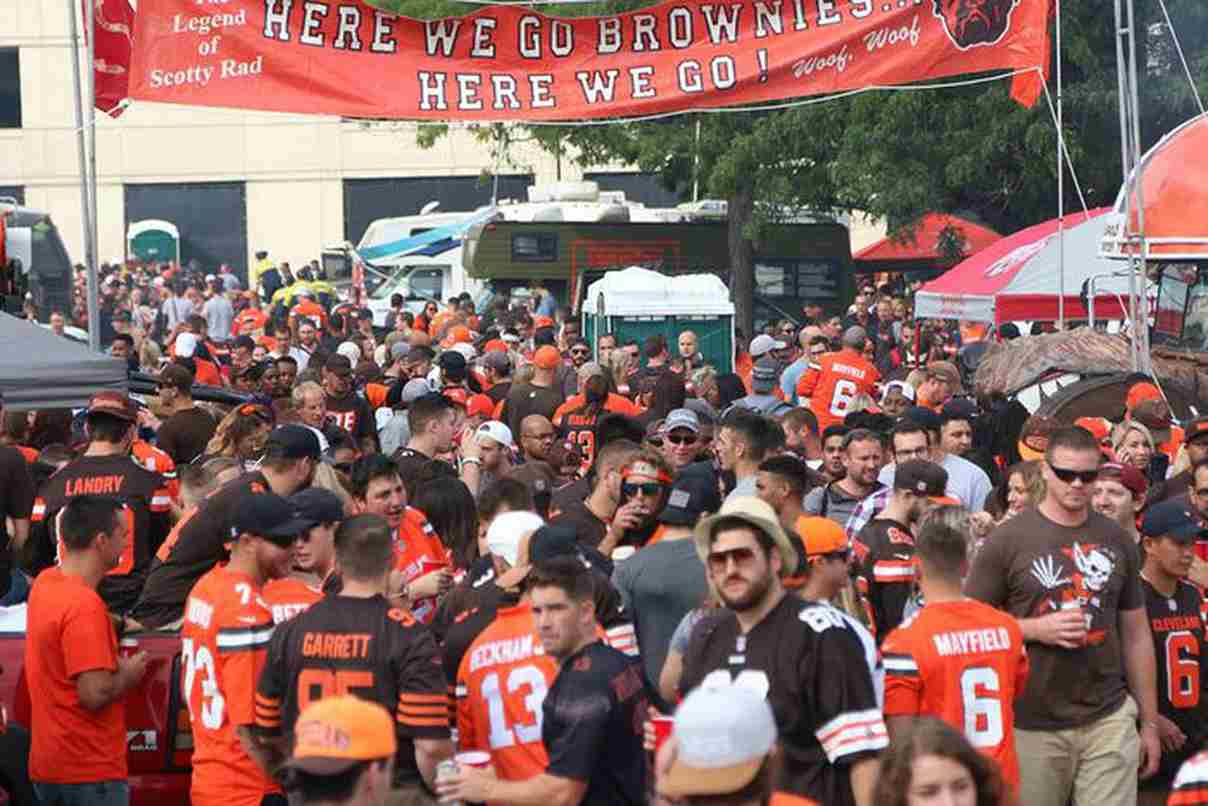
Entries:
{"x":219,"y":314}
{"x":966,"y":481}
{"x":659,"y":585}
{"x":744,"y":488}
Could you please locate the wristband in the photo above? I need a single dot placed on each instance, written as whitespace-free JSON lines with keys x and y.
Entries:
{"x":471,"y":460}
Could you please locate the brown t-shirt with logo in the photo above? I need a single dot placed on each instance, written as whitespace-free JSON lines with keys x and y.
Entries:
{"x":1030,"y":567}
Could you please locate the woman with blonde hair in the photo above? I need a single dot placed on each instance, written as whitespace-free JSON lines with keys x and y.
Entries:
{"x":1133,"y":445}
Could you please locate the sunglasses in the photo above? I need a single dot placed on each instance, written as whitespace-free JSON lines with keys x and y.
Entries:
{"x":650,"y":489}
{"x":681,"y":439}
{"x":1067,"y":476}
{"x":720,"y":560}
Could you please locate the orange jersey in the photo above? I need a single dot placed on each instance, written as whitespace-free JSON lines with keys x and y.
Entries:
{"x":963,"y":662}
{"x":418,"y":551}
{"x":288,"y":597}
{"x":157,"y":461}
{"x":501,"y":687}
{"x":312,"y":311}
{"x":834,"y":382}
{"x":1170,"y":448}
{"x":249,"y":322}
{"x":224,"y":643}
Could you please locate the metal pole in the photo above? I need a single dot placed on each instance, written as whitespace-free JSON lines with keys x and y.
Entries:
{"x":1124,"y":95}
{"x":94,"y":312}
{"x":1146,"y":365}
{"x":85,"y":204}
{"x":696,"y":163}
{"x":1060,"y":180}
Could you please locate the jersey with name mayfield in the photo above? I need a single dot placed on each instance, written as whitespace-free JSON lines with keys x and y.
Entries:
{"x":363,"y":647}
{"x":501,"y":686}
{"x":226,"y":631}
{"x":827,"y":721}
{"x":1177,"y":627}
{"x":832,"y":384}
{"x":963,"y":662}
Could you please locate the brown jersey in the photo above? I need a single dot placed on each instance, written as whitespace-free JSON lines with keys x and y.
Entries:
{"x":146,"y":503}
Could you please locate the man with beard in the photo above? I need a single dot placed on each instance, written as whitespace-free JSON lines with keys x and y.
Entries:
{"x":198,"y":542}
{"x":832,"y":452}
{"x":645,"y":482}
{"x":1072,"y":578}
{"x":967,"y":482}
{"x":862,"y":459}
{"x":789,"y":651}
{"x":1119,"y":494}
{"x":226,"y":631}
{"x":593,"y":517}
{"x":801,"y":437}
{"x":308,"y":343}
{"x":350,"y":411}
{"x":885,"y":547}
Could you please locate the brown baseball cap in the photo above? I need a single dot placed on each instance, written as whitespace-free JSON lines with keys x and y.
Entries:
{"x":115,"y":404}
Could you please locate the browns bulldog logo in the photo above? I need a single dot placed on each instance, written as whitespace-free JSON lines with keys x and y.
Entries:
{"x":970,"y":23}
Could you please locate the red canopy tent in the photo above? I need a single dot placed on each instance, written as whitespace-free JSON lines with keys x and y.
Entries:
{"x":921,"y":249}
{"x":1174,"y":175}
{"x":1016,"y":278}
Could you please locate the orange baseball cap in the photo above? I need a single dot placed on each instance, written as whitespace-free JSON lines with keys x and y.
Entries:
{"x":458,"y":334}
{"x":542,"y":321}
{"x":820,"y":535}
{"x":336,"y":733}
{"x":1100,"y":427}
{"x":479,"y":405}
{"x":547,"y":357}
{"x":1141,"y":391}
{"x":495,"y":346}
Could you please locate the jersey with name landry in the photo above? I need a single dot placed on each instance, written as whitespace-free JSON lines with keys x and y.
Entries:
{"x":963,"y":662}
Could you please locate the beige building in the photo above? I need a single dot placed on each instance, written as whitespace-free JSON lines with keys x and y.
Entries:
{"x":233,"y":182}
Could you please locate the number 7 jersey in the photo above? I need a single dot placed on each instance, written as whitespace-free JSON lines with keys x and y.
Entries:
{"x":223,"y":643}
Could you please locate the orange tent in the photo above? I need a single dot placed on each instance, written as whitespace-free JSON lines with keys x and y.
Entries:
{"x":1174,"y":193}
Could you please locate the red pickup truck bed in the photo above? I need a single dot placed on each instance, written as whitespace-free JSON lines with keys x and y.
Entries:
{"x":158,"y":735}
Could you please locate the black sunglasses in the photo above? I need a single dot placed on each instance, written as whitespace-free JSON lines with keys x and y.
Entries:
{"x":1067,"y":476}
{"x":650,"y":489}
{"x":681,"y":439}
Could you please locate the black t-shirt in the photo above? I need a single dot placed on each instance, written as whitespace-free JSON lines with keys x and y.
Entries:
{"x":148,"y":506}
{"x":592,"y":725}
{"x":196,"y":544}
{"x":886,"y":551}
{"x":1182,"y":666}
{"x":499,"y":391}
{"x":184,"y":435}
{"x":475,"y":610}
{"x":16,"y":502}
{"x":410,"y":462}
{"x":815,"y":665}
{"x":528,"y":399}
{"x":353,"y":414}
{"x":563,"y":497}
{"x":364,"y":647}
{"x":589,"y":529}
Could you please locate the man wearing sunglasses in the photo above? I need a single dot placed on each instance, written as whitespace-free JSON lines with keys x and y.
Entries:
{"x":681,"y":438}
{"x":1072,"y":578}
{"x":789,"y":651}
{"x":580,"y":353}
{"x":592,"y":517}
{"x":645,"y":483}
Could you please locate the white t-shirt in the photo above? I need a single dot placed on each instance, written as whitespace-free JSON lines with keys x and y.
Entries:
{"x":966,"y":481}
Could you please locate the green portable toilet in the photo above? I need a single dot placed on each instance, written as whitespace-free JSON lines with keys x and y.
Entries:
{"x":153,"y":241}
{"x":635,"y":303}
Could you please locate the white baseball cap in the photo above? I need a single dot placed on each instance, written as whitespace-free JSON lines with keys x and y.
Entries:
{"x":185,"y":345}
{"x":724,"y":734}
{"x":350,"y":351}
{"x":493,"y":429}
{"x":507,"y":531}
{"x":763,"y":343}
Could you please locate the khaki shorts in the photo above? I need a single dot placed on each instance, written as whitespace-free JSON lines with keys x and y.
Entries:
{"x":1094,"y":765}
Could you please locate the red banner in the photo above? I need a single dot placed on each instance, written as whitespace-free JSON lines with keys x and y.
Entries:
{"x":343,"y":57}
{"x":114,"y":24}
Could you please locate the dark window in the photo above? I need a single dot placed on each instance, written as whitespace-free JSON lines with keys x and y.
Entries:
{"x":10,"y":89}
{"x":537,"y":247}
{"x":13,"y":192}
{"x":644,"y":188}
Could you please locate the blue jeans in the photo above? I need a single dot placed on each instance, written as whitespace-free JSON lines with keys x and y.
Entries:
{"x":98,"y":793}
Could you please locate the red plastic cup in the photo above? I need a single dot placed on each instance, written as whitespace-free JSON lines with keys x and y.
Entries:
{"x":662,"y":730}
{"x":477,"y":759}
{"x":127,"y":647}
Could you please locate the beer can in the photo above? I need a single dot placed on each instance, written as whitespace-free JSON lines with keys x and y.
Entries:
{"x":127,"y":647}
{"x":446,"y":769}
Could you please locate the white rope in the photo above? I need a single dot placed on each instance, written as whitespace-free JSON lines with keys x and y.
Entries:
{"x":1195,"y":91}
{"x":1065,"y":150}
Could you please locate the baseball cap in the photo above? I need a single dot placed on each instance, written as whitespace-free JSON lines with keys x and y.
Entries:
{"x":681,"y":418}
{"x":115,"y":404}
{"x":508,"y":530}
{"x":1101,"y":427}
{"x":479,"y":406}
{"x":763,"y":344}
{"x":547,"y":357}
{"x":855,"y":336}
{"x":906,"y":389}
{"x":335,"y":733}
{"x":292,"y":442}
{"x":1171,"y":519}
{"x":1196,"y":429}
{"x":185,"y":345}
{"x":317,"y":505}
{"x":820,"y":535}
{"x":495,"y":346}
{"x":552,"y":541}
{"x":693,"y":494}
{"x":1035,"y":435}
{"x":590,"y":370}
{"x":339,"y":365}
{"x":452,"y":361}
{"x":349,"y":351}
{"x":754,"y":512}
{"x":496,"y":360}
{"x":497,"y":431}
{"x":764,"y":373}
{"x":268,"y":515}
{"x":921,"y":478}
{"x":1132,"y":478}
{"x":1139,"y":392}
{"x":724,"y":734}
{"x":542,"y":321}
{"x":923,"y":416}
{"x":414,"y":389}
{"x":959,"y":408}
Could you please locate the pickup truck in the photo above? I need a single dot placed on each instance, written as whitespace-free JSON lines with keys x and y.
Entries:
{"x":159,"y":737}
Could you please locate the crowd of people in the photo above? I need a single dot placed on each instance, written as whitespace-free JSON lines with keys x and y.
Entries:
{"x":475,"y":558}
